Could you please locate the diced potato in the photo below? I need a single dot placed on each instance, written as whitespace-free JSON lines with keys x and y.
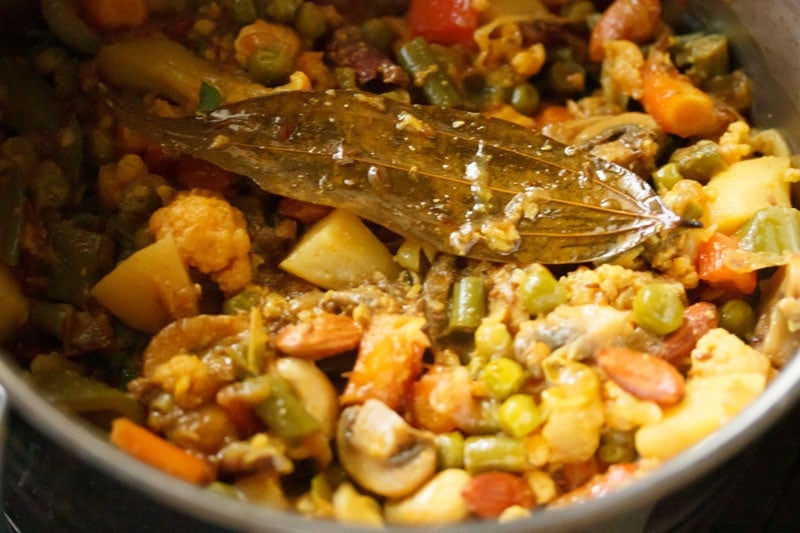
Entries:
{"x":14,"y":306}
{"x":745,"y":187}
{"x":339,"y":252}
{"x":709,"y":403}
{"x":149,"y":289}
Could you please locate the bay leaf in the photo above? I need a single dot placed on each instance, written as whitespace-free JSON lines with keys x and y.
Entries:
{"x":465,"y":184}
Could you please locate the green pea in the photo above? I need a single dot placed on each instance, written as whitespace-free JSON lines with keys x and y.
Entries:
{"x":658,"y":307}
{"x":309,"y":21}
{"x":519,"y":415}
{"x":525,"y":98}
{"x":241,"y":302}
{"x":271,"y":65}
{"x":699,"y":161}
{"x":666,"y":177}
{"x":738,"y":317}
{"x":502,"y":377}
{"x":493,"y":338}
{"x":540,"y":292}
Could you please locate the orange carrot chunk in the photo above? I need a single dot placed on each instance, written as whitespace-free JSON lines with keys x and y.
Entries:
{"x":157,"y":452}
{"x":676,"y":105}
{"x":713,"y":265}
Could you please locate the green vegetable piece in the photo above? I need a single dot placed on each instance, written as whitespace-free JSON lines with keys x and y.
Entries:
{"x":64,"y":21}
{"x":566,"y":77}
{"x":12,"y":205}
{"x":702,"y":57}
{"x":450,"y":450}
{"x":210,"y":98}
{"x":378,"y":32}
{"x":309,"y":21}
{"x":86,"y":396}
{"x":540,"y":292}
{"x":774,"y":229}
{"x":658,"y":307}
{"x":244,"y":12}
{"x":468,"y":303}
{"x":271,"y":64}
{"x":699,"y":161}
{"x":666,"y":177}
{"x":493,"y":339}
{"x":241,"y":302}
{"x":519,"y":415}
{"x":525,"y":98}
{"x":284,"y":413}
{"x":282,"y":11}
{"x":418,"y":59}
{"x":616,"y":446}
{"x":346,"y":78}
{"x":495,"y":452}
{"x":738,"y":317}
{"x":502,"y":377}
{"x":82,"y":257}
{"x":577,"y":13}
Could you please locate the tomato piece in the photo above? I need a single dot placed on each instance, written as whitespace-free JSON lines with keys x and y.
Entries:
{"x":443,"y":21}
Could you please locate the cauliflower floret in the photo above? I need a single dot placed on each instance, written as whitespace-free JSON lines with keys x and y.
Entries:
{"x":720,"y":352}
{"x":188,"y":379}
{"x":605,"y":285}
{"x":210,"y":234}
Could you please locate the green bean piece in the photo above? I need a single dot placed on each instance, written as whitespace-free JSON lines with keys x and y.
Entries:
{"x":616,"y":446}
{"x":282,"y":11}
{"x":418,"y":59}
{"x":12,"y":205}
{"x":468,"y":303}
{"x":493,"y":339}
{"x":309,"y":21}
{"x":495,"y":452}
{"x":81,"y":258}
{"x":85,"y":396}
{"x":525,"y":98}
{"x":450,"y":450}
{"x":658,"y":307}
{"x":665,"y":177}
{"x":699,"y":161}
{"x":738,"y":317}
{"x":271,"y":65}
{"x":284,"y":413}
{"x":540,"y":292}
{"x":244,"y":12}
{"x":566,"y":77}
{"x":64,"y":21}
{"x":210,"y":98}
{"x":78,"y":331}
{"x":502,"y":377}
{"x":701,"y":57}
{"x":774,"y":229}
{"x":519,"y":415}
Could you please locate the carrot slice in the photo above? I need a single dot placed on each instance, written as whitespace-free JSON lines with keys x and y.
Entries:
{"x":157,"y":452}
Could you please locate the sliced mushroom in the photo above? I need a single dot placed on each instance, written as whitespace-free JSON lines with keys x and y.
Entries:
{"x":382,"y":452}
{"x":313,"y":388}
{"x":777,"y":333}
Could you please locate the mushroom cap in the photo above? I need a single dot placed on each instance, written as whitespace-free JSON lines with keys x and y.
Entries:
{"x":382,"y":452}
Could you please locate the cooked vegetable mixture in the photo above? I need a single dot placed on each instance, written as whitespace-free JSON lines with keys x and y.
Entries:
{"x":230,"y":238}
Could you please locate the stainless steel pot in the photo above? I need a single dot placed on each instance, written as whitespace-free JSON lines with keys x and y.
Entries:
{"x":765,"y":39}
